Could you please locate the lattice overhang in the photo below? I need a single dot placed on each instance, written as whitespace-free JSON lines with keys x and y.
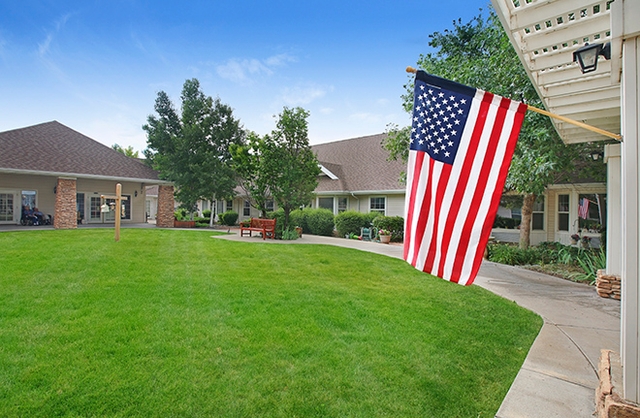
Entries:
{"x":545,"y":33}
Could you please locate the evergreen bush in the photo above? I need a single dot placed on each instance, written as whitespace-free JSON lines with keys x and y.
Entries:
{"x":229,"y":218}
{"x":350,"y":222}
{"x":320,"y":221}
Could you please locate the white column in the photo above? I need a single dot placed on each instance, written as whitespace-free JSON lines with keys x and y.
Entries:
{"x":630,"y":331}
{"x":614,"y":210}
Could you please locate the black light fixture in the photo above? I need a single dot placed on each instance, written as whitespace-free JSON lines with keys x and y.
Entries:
{"x":595,"y":155}
{"x":587,"y":56}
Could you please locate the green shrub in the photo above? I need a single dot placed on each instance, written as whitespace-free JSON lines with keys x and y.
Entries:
{"x":512,"y":255}
{"x":278,"y":215}
{"x":298,"y":217}
{"x":289,"y":234}
{"x":181,"y":214}
{"x":350,"y":222}
{"x":320,"y":221}
{"x":371,"y":216}
{"x":508,"y":223}
{"x":395,"y":224}
{"x":229,"y":218}
{"x":590,"y":261}
{"x":206,"y":213}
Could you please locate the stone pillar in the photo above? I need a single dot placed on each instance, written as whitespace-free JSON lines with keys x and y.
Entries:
{"x":164,"y":217}
{"x":65,"y":215}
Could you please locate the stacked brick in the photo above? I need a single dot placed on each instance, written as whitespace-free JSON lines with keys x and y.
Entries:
{"x":65,"y":216}
{"x":165,"y":215}
{"x":609,"y":404}
{"x":608,"y":285}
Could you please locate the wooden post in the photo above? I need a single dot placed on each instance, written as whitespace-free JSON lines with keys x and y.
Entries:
{"x":118,"y":209}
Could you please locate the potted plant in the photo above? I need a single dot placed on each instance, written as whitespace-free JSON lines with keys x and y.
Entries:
{"x":574,"y":239}
{"x":585,"y":241}
{"x":385,"y":236}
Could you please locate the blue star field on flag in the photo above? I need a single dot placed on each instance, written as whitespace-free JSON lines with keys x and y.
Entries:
{"x":438,"y":121}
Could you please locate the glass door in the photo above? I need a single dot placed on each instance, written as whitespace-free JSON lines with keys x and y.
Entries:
{"x":94,"y":209}
{"x":6,"y":207}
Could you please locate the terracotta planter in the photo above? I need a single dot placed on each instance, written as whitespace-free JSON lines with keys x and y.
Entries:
{"x":184,"y":224}
{"x":385,"y":239}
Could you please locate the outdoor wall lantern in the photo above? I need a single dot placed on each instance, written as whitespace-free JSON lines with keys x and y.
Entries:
{"x":135,"y":193}
{"x":595,"y":155}
{"x":587,"y":56}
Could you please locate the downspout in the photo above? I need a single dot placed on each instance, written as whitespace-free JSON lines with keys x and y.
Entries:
{"x":355,"y":197}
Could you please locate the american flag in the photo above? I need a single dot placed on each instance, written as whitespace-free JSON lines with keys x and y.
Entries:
{"x":583,"y":209}
{"x":462,"y":141}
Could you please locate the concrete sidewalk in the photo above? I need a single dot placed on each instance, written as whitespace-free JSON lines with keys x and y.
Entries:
{"x":559,"y":376}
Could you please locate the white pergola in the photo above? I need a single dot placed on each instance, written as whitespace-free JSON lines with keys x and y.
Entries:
{"x":545,"y":33}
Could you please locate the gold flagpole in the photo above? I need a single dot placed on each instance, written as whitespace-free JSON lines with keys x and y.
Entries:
{"x":559,"y":117}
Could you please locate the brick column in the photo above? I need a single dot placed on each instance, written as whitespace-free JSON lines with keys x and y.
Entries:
{"x":65,"y":216}
{"x":164,"y":217}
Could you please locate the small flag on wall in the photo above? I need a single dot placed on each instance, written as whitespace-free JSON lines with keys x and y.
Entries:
{"x":583,"y":209}
{"x":462,"y":141}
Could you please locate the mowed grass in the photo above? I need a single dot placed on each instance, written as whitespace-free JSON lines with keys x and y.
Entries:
{"x":176,"y":323}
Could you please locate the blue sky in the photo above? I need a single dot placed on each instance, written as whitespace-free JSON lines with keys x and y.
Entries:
{"x":96,"y":66}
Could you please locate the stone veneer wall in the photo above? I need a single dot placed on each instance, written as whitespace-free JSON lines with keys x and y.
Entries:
{"x":165,"y":216}
{"x":608,"y":286}
{"x":65,"y":215}
{"x":609,"y":403}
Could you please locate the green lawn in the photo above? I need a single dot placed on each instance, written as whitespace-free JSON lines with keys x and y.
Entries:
{"x":176,"y":323}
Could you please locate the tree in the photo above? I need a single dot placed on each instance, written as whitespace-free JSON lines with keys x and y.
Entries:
{"x":479,"y":54}
{"x":192,"y":149}
{"x":129,"y":151}
{"x":290,"y":165}
{"x":249,"y":165}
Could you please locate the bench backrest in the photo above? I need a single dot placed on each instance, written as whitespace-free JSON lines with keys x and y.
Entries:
{"x":263,"y":223}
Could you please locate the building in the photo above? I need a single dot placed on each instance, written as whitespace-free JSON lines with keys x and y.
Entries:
{"x":64,"y":174}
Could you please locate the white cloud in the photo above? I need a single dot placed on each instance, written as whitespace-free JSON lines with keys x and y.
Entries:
{"x":327,"y":110}
{"x":44,"y":47}
{"x":240,"y":70}
{"x":300,"y":95}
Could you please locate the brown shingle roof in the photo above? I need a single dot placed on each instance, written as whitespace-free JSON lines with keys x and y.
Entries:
{"x":360,"y":164}
{"x":56,"y":149}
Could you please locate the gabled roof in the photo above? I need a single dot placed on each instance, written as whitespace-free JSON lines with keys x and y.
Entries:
{"x":361,"y":165}
{"x":52,"y":148}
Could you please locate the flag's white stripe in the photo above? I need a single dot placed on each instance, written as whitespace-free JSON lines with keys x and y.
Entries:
{"x":418,"y":201}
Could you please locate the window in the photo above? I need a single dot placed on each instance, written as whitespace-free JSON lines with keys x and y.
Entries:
{"x":80,"y":205}
{"x":343,"y":203}
{"x":127,"y":207}
{"x":6,"y":206}
{"x":377,"y":204}
{"x":269,"y":205}
{"x":325,"y":203}
{"x":537,"y":217}
{"x":592,"y":211}
{"x":205,"y":205}
{"x":229,"y":205}
{"x":246,"y":210}
{"x":28,"y":199}
{"x":563,"y":212}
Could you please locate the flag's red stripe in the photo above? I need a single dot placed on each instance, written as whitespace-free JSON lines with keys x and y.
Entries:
{"x":497,"y":193}
{"x":482,"y":186}
{"x":461,"y":185}
{"x":423,"y":213}
{"x":419,"y":156}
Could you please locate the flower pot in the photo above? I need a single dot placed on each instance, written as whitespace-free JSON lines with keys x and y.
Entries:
{"x":299,"y":231}
{"x":385,"y":239}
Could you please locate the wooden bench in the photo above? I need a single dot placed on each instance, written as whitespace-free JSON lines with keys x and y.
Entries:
{"x":267,"y":227}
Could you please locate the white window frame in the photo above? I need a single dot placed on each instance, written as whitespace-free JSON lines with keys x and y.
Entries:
{"x":383,"y":211}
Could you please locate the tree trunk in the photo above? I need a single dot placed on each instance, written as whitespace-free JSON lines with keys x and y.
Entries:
{"x":213,"y":210}
{"x":525,"y":224}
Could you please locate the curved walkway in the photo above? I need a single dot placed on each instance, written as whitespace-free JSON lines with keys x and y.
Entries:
{"x":559,"y":375}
